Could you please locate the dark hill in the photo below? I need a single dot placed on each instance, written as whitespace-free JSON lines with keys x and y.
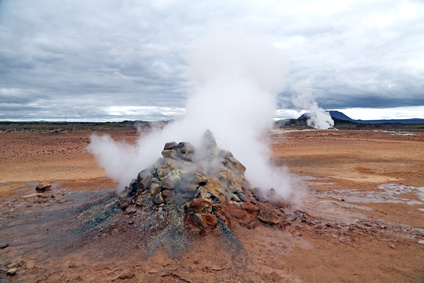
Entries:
{"x":334,"y":114}
{"x":340,"y":116}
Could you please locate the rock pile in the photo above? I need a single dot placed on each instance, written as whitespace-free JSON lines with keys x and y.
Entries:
{"x":198,"y":190}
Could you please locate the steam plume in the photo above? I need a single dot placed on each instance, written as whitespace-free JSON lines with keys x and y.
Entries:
{"x":318,"y":118}
{"x":236,"y":79}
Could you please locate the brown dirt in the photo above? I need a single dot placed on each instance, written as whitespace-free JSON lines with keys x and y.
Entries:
{"x":347,"y":229}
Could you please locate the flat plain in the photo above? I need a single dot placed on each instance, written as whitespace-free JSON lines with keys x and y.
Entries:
{"x":360,"y":194}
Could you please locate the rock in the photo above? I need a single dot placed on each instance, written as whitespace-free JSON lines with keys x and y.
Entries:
{"x":184,"y":151}
{"x":134,"y":185}
{"x":42,"y":187}
{"x":166,"y":194}
{"x":155,"y":189}
{"x":126,"y":275}
{"x":234,"y":165}
{"x":163,"y":171}
{"x":421,"y":242}
{"x":170,"y":145}
{"x":144,"y":173}
{"x":125,"y":203}
{"x":190,"y":188}
{"x":200,"y":179}
{"x":203,"y":193}
{"x":145,"y":182}
{"x":170,"y":180}
{"x":11,"y":272}
{"x":234,"y":197}
{"x":3,"y":246}
{"x":249,"y":207}
{"x":238,"y":213}
{"x":204,"y":220}
{"x":140,"y":200}
{"x":200,"y":205}
{"x":169,"y":154}
{"x":269,"y":216}
{"x":158,"y":199}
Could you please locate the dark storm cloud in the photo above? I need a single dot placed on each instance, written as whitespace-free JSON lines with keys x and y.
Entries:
{"x":77,"y":59}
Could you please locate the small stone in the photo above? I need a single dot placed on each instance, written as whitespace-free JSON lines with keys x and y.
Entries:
{"x":42,"y":187}
{"x":126,"y":275}
{"x":125,"y":203}
{"x":3,"y":246}
{"x":392,"y":247}
{"x":158,"y":199}
{"x":234,"y":197}
{"x":140,"y":200}
{"x":421,"y":242}
{"x":166,"y":194}
{"x":11,"y":272}
{"x":155,"y":189}
{"x":131,"y":210}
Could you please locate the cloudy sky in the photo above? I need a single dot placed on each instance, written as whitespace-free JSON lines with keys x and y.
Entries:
{"x":103,"y":60}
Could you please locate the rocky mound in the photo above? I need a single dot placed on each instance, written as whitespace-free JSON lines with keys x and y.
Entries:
{"x":195,"y":191}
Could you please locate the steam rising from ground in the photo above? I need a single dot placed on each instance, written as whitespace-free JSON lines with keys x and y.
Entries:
{"x":236,"y":79}
{"x":318,"y":118}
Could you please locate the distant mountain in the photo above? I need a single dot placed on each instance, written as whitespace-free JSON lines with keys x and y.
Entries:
{"x":334,"y":114}
{"x":337,"y":116}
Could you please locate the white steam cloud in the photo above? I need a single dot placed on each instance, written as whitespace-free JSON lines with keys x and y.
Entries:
{"x":236,"y":79}
{"x":318,"y":118}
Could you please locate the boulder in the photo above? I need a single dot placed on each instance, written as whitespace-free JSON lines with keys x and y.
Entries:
{"x":170,"y":181}
{"x":170,"y":145}
{"x":200,"y":205}
{"x":169,"y":154}
{"x":204,"y":220}
{"x":11,"y":272}
{"x":269,"y":215}
{"x":42,"y":187}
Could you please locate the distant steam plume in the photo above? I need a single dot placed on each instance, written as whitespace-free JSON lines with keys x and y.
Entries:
{"x":318,"y":118}
{"x":236,"y":79}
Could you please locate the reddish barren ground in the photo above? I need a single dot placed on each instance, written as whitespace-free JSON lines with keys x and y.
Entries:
{"x":362,"y":197}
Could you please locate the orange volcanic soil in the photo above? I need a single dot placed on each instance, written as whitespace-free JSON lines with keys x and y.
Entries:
{"x":358,"y":215}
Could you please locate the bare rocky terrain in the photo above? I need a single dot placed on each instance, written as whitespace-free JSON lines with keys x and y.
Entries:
{"x":358,"y":215}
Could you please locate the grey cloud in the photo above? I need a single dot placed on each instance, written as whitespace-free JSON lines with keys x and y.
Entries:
{"x":122,"y":53}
